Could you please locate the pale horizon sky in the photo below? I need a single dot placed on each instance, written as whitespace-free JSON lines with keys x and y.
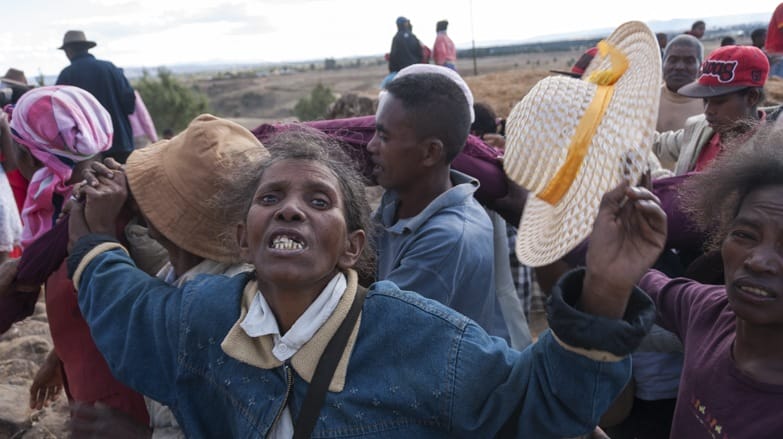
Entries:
{"x":151,"y":33}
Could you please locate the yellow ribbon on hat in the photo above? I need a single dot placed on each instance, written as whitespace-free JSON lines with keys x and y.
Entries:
{"x":588,"y":124}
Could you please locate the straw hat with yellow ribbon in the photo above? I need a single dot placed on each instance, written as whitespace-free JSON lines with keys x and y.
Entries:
{"x":570,"y":140}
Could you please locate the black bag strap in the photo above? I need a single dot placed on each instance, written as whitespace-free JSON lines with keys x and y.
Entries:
{"x":327,"y":364}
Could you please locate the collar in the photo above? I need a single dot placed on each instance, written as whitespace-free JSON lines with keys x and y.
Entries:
{"x":464,"y":188}
{"x":260,"y":319}
{"x":257,"y":351}
{"x":81,"y":56}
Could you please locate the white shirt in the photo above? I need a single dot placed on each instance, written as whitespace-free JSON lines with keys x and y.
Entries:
{"x":260,"y":321}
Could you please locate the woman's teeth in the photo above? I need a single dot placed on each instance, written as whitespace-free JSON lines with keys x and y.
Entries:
{"x":286,"y":243}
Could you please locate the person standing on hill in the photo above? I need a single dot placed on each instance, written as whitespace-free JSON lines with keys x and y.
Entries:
{"x":405,"y":50}
{"x":443,"y":51}
{"x":697,"y":29}
{"x":104,"y":81}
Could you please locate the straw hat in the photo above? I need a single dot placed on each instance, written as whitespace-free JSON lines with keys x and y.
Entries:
{"x":178,"y":183}
{"x":15,"y":77}
{"x":570,"y":140}
{"x":76,"y":37}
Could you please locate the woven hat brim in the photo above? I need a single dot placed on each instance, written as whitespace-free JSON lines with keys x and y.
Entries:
{"x":172,"y":215}
{"x":619,"y":149}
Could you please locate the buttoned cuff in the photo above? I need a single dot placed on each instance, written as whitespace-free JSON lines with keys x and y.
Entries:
{"x":597,"y":337}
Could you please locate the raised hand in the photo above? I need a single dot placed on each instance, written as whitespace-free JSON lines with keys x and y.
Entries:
{"x":100,"y":200}
{"x":628,"y":236}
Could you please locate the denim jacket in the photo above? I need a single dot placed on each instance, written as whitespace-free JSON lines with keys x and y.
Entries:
{"x":416,"y":367}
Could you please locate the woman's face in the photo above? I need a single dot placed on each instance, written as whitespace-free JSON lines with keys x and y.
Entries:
{"x":295,"y":232}
{"x":753,"y":257}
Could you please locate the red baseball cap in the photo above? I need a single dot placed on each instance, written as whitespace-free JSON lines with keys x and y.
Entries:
{"x":729,"y":69}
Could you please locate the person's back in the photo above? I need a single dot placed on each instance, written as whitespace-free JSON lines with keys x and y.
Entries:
{"x":104,"y":81}
{"x":443,"y":51}
{"x":406,"y":48}
{"x":436,"y":239}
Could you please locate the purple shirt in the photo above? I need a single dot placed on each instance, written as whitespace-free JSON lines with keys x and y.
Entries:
{"x":715,"y":400}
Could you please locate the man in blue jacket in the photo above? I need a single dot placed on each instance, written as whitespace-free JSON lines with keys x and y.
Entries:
{"x":104,"y":81}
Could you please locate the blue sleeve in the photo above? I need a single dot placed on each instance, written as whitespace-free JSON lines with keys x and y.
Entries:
{"x":135,"y":322}
{"x":543,"y":392}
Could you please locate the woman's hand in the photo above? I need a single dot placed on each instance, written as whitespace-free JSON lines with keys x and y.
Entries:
{"x":48,"y":382}
{"x":628,"y":236}
{"x":98,"y":204}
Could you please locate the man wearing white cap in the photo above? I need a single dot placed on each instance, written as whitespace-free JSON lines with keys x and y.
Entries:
{"x":436,"y":239}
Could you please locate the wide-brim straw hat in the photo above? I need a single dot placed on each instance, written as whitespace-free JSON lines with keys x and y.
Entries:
{"x":178,"y":184}
{"x":570,"y":140}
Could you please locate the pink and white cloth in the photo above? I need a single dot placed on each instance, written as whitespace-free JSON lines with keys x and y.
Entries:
{"x":10,"y":225}
{"x":60,"y":125}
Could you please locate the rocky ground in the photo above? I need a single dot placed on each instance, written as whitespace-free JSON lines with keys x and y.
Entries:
{"x":22,"y":349}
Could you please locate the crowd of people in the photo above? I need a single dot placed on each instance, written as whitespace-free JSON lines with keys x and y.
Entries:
{"x":225,"y":282}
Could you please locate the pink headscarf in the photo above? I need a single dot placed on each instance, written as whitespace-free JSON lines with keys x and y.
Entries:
{"x":60,"y":126}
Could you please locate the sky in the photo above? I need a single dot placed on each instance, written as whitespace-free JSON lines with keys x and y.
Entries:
{"x":151,"y":33}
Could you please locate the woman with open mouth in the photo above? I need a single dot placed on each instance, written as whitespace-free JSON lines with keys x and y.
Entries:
{"x":298,"y":347}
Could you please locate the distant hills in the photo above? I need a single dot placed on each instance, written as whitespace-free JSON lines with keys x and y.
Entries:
{"x":717,"y":27}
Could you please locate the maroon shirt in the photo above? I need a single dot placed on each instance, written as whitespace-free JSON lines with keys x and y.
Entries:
{"x":715,"y":400}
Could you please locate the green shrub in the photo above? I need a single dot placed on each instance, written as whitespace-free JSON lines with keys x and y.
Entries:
{"x":315,"y":106}
{"x":171,"y":104}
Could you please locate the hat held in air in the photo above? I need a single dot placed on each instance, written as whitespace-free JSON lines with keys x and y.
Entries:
{"x":570,"y":140}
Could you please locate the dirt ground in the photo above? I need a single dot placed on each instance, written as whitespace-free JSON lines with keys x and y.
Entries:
{"x":499,"y":81}
{"x":252,"y":98}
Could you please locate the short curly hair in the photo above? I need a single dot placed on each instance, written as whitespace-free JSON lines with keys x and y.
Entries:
{"x":714,"y":197}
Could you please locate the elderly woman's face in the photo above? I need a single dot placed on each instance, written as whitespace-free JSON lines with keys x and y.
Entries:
{"x":295,"y":232}
{"x":753,"y":257}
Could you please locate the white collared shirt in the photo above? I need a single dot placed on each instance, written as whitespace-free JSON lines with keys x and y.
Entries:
{"x":260,"y":321}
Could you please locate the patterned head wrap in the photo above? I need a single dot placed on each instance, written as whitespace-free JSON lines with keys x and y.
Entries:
{"x":60,"y":126}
